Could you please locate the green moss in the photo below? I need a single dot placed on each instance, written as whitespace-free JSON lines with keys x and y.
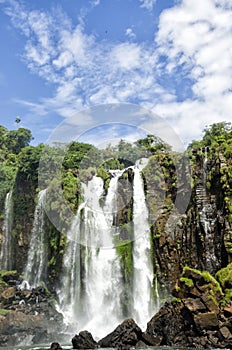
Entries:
{"x":7,"y":273}
{"x":213,"y":284}
{"x":4,"y":312}
{"x":176,"y":300}
{"x":227,"y":298}
{"x":4,"y":273}
{"x":124,"y":251}
{"x":187,"y":281}
{"x":224,"y":276}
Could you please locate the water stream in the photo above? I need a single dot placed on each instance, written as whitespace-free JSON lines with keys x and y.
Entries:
{"x":6,"y":247}
{"x":36,"y":268}
{"x":92,"y":285}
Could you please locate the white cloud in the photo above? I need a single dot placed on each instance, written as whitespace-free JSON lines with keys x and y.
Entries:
{"x":129,"y":32}
{"x":126,"y":56}
{"x":185,"y":75}
{"x":95,"y":2}
{"x":148,"y":4}
{"x":196,"y":38}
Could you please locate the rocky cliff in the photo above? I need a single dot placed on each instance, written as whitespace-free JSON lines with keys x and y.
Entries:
{"x":189,"y":199}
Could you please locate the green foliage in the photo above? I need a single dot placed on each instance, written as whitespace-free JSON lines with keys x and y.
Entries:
{"x":153,"y":144}
{"x":16,"y":140}
{"x":80,"y":155}
{"x":70,"y":189}
{"x":28,"y":161}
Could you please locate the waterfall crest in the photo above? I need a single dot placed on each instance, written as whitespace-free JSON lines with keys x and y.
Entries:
{"x":6,"y":247}
{"x":36,"y":267}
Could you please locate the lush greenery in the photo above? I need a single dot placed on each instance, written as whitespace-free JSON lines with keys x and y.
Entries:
{"x":66,"y":166}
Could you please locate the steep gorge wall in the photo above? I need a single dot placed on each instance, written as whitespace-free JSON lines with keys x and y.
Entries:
{"x":200,"y":237}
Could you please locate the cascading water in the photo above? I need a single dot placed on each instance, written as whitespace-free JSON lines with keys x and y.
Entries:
{"x":143,"y":270}
{"x":93,"y":264}
{"x":92,"y":286}
{"x":208,"y":220}
{"x":6,"y":247}
{"x":35,"y":270}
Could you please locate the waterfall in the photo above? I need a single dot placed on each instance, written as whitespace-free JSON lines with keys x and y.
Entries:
{"x":35,"y":270}
{"x":92,"y":266}
{"x":6,"y":247}
{"x":143,"y":270}
{"x":92,"y":284}
{"x":208,"y":220}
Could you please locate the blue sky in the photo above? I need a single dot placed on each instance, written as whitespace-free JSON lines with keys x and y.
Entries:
{"x":59,"y":58}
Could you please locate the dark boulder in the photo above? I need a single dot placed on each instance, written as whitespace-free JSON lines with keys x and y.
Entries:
{"x":84,"y":340}
{"x":55,"y":346}
{"x":194,"y":319}
{"x":127,"y":334}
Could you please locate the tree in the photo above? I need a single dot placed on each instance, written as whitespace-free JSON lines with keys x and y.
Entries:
{"x":217,"y":133}
{"x":153,"y":144}
{"x":16,"y":140}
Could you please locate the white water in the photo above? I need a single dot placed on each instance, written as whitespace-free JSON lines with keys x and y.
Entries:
{"x":143,"y":270}
{"x":92,"y":268}
{"x":103,"y":282}
{"x":208,"y":220}
{"x":35,"y":270}
{"x":92,"y":285}
{"x":6,"y":247}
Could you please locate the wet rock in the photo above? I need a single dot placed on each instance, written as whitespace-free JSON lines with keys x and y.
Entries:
{"x":84,"y":340}
{"x":8,"y":295}
{"x":140,"y":344}
{"x":206,"y":320}
{"x":126,"y":334}
{"x":55,"y":346}
{"x":194,"y":305}
{"x":171,"y":324}
{"x":150,"y":340}
{"x":228,"y":309}
{"x":210,"y":304}
{"x":226,"y":333}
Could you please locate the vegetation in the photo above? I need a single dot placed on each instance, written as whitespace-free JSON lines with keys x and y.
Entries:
{"x":66,"y":166}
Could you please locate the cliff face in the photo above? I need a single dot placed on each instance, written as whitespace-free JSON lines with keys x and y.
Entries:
{"x":199,"y":237}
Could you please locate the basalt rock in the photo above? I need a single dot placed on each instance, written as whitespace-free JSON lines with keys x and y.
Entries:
{"x":195,"y":319}
{"x":28,"y":316}
{"x":128,"y":334}
{"x":55,"y":346}
{"x":84,"y":340}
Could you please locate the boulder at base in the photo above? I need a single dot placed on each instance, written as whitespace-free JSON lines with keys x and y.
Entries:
{"x":126,"y":335}
{"x":84,"y":340}
{"x":55,"y":346}
{"x":197,"y":318}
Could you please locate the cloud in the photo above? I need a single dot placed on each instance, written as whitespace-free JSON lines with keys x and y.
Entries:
{"x":129,"y":32}
{"x":184,"y":75}
{"x":195,"y":38}
{"x":95,"y":2}
{"x":148,"y":4}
